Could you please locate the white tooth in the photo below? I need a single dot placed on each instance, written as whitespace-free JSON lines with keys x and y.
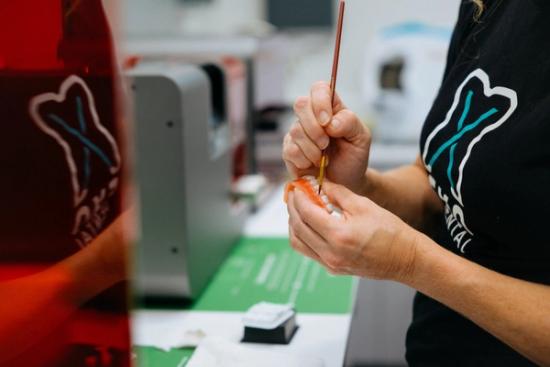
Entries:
{"x":308,"y":177}
{"x":336,"y":214}
{"x":324,"y":198}
{"x":330,"y":208}
{"x":316,"y":188}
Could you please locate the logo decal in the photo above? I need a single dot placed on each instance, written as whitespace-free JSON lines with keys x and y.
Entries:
{"x":70,"y":117}
{"x":464,"y":127}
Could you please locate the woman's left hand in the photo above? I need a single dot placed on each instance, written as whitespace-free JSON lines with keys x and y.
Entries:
{"x":367,"y":241}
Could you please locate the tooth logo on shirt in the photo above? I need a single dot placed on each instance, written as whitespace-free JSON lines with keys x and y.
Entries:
{"x":477,"y":110}
{"x":70,"y":117}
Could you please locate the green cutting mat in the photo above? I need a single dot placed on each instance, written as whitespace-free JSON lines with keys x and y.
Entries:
{"x":263,"y":269}
{"x":267,"y":269}
{"x":152,"y":357}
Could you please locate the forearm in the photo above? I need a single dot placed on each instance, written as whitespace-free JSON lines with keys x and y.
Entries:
{"x":514,"y":311}
{"x":33,"y":306}
{"x":406,"y":192}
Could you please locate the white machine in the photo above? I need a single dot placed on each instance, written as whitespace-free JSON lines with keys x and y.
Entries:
{"x":183,"y":164}
{"x":403,"y":70}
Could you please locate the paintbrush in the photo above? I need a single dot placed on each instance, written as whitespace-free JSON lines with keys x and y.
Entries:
{"x":333,"y":77}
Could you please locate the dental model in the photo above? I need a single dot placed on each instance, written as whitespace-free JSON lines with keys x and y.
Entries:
{"x":310,"y":186}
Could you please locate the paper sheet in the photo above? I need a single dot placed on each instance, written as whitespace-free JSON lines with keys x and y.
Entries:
{"x":217,"y":352}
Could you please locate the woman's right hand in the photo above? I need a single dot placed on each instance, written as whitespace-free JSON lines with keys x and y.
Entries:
{"x":321,"y":125}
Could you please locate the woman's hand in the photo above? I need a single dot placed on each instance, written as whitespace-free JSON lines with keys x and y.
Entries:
{"x":366,"y":241}
{"x":321,"y":125}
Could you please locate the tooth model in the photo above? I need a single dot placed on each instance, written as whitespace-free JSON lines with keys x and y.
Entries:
{"x":310,"y":186}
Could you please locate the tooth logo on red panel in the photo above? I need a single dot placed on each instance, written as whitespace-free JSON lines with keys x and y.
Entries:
{"x":70,"y":117}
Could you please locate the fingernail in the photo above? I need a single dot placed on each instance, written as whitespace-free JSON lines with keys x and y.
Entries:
{"x":324,"y":117}
{"x":324,"y":143}
{"x":335,"y":123}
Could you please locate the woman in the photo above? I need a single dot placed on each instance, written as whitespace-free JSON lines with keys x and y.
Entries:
{"x":466,"y":224}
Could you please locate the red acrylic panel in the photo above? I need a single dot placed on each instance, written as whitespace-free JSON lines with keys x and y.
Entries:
{"x":63,"y":243}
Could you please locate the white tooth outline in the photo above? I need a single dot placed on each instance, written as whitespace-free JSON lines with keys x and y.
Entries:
{"x":60,"y":97}
{"x":489,"y":92}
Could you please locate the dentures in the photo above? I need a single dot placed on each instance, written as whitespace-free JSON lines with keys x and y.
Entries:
{"x":310,"y":186}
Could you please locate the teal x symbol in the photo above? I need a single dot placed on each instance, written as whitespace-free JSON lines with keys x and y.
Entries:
{"x":80,"y":134}
{"x":461,"y":131}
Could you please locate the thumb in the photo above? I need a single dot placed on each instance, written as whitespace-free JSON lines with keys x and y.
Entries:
{"x":342,"y":197}
{"x":345,"y":124}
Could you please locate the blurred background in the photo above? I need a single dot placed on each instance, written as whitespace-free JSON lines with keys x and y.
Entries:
{"x":270,"y":52}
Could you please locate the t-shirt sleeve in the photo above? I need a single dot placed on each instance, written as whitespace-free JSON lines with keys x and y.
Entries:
{"x":462,"y":28}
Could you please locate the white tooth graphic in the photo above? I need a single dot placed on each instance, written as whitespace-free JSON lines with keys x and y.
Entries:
{"x":79,"y":193}
{"x":488,"y":91}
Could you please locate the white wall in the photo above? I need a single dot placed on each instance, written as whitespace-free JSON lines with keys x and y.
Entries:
{"x":151,"y":18}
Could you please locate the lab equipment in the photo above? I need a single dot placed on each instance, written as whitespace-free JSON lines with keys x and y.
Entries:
{"x":333,"y":78}
{"x":403,"y":69}
{"x":269,"y":323}
{"x":260,"y":84}
{"x":188,"y":221}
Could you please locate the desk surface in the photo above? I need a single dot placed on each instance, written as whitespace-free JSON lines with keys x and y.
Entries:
{"x":271,"y":220}
{"x":258,"y":269}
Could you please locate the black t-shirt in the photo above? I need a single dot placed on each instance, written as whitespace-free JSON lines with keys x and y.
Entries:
{"x":486,"y":146}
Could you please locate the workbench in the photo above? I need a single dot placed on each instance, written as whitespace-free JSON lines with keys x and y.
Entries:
{"x":261,"y":267}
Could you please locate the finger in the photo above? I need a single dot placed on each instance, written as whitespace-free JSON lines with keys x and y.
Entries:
{"x":310,"y":150}
{"x":342,"y":197}
{"x":309,"y":237}
{"x":309,"y":122}
{"x":345,"y":124}
{"x":292,"y":170}
{"x":298,"y":245}
{"x":301,"y":230}
{"x":293,"y":153}
{"x":337,"y":272}
{"x":323,"y":103}
{"x":318,"y":219}
{"x":295,"y":172}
